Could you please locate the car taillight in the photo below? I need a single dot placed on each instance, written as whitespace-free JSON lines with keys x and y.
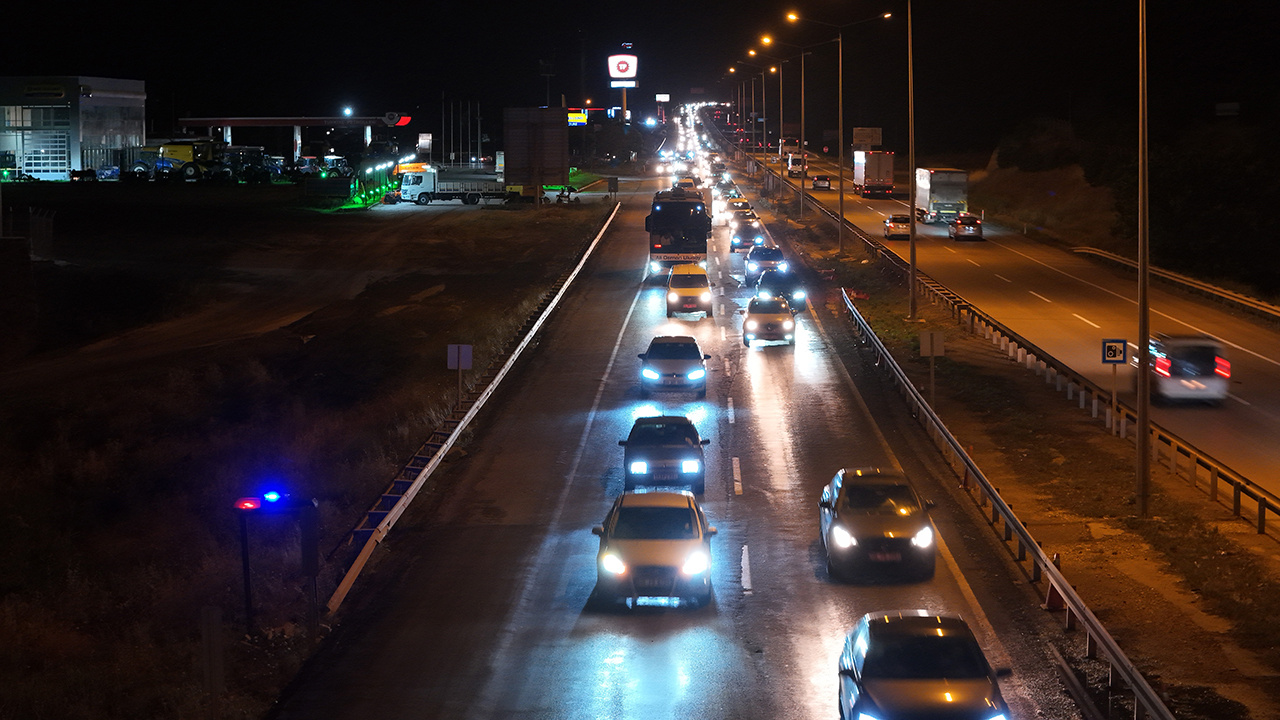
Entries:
{"x":1162,"y":367}
{"x":1222,"y":367}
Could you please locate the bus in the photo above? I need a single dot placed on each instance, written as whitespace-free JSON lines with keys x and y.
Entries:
{"x":678,"y":225}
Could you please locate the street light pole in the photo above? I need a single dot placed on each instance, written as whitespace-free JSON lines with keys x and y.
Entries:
{"x":1143,"y":439}
{"x":911,"y":166}
{"x":840,"y":131}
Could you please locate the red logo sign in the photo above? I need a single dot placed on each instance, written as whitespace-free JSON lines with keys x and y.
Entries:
{"x":622,"y":66}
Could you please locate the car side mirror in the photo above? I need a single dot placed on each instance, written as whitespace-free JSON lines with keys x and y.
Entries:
{"x":641,"y":356}
{"x":1004,"y":672}
{"x":622,"y":443}
{"x":826,"y":504}
{"x":742,"y":312}
{"x":706,"y":441}
{"x":646,"y":225}
{"x":706,"y":357}
{"x":711,"y":530}
{"x":598,"y":530}
{"x":711,"y":284}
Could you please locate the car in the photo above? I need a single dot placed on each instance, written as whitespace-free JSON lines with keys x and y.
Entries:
{"x":739,"y":215}
{"x":761,"y":258}
{"x":745,"y":234}
{"x":821,"y":182}
{"x":688,"y":290}
{"x":897,"y":226}
{"x":654,"y":546}
{"x":664,"y":450}
{"x":915,"y":664}
{"x":768,"y":319}
{"x":965,"y":226}
{"x":738,"y":204}
{"x":871,"y":520}
{"x":1188,"y":368}
{"x":673,"y":362}
{"x":733,"y":192}
{"x":775,"y":283}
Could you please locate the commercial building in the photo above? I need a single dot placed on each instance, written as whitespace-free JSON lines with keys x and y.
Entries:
{"x":50,"y":126}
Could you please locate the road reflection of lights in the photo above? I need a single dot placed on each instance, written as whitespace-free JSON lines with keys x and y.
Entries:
{"x":645,"y":410}
{"x":697,"y":414}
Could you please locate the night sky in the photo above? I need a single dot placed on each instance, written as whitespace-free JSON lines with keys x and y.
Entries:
{"x":981,"y":67}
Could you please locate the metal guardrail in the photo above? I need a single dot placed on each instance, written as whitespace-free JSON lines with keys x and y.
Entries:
{"x":1059,"y":595}
{"x":411,"y":479}
{"x":1244,"y":302}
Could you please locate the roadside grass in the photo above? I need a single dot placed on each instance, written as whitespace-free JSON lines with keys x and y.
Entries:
{"x":120,"y":488}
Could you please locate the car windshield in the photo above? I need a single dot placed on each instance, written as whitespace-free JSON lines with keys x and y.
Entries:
{"x":919,"y":657}
{"x":878,"y":499}
{"x":1192,"y":360}
{"x":967,"y":221}
{"x":766,"y":254}
{"x":673,"y":351}
{"x":663,"y":434}
{"x":899,"y":219}
{"x":689,"y":280}
{"x":655,"y":523}
{"x":772,"y":306}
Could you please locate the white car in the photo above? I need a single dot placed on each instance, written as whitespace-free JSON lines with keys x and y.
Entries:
{"x":768,"y":319}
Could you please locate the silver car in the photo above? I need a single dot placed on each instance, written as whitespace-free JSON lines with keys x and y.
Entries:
{"x":871,"y":520}
{"x":965,"y":226}
{"x":673,"y":362}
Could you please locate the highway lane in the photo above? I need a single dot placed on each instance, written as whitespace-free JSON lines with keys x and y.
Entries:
{"x":1067,"y":305}
{"x":480,"y":607}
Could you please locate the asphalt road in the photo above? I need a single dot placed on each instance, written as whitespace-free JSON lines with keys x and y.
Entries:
{"x":1068,"y":305}
{"x":477,"y":606}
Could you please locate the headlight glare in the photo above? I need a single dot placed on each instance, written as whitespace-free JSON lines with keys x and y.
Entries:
{"x":797,"y":295}
{"x":649,"y":374}
{"x":841,"y":537}
{"x":639,"y":467}
{"x":924,"y":538}
{"x":696,"y":564}
{"x":697,"y":374}
{"x":673,"y":297}
{"x":782,"y":266}
{"x":612,"y":564}
{"x":705,"y":297}
{"x":751,"y":324}
{"x":689,"y":466}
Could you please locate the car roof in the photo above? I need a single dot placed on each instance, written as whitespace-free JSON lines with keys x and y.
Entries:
{"x":755,"y":301}
{"x":656,"y":499}
{"x":873,"y":475}
{"x":664,"y":420}
{"x":765,"y":250}
{"x":900,"y":218}
{"x":687,"y":269}
{"x":915,"y":622}
{"x":673,"y":340}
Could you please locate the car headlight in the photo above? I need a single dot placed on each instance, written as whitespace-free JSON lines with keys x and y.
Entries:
{"x":696,"y":564}
{"x":797,"y":295}
{"x":705,"y":297}
{"x":611,"y":563}
{"x":649,"y":374}
{"x":697,"y":374}
{"x":752,"y":324}
{"x":924,"y":538}
{"x":733,"y":223}
{"x":763,"y":294}
{"x":841,"y":537}
{"x":999,"y":716}
{"x":867,"y":716}
{"x":783,"y":267}
{"x":689,"y":466}
{"x":788,"y":324}
{"x":639,"y":467}
{"x":654,"y":267}
{"x":673,"y":297}
{"x":753,"y":266}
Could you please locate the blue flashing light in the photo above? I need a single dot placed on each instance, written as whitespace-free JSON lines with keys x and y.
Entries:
{"x":271,"y":496}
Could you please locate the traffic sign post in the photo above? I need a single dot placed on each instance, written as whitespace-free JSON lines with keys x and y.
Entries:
{"x":459,"y":359}
{"x":1114,"y":353}
{"x":931,"y":346}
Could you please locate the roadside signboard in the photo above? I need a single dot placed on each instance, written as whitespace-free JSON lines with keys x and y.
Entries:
{"x":1115,"y":352}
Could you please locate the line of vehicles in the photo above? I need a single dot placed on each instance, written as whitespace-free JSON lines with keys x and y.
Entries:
{"x":655,"y":540}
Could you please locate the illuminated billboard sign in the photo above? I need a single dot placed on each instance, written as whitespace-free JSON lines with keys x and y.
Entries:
{"x":577,"y":116}
{"x":662,"y":97}
{"x":622,"y":67}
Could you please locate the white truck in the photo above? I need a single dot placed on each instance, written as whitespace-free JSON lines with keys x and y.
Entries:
{"x":942,"y":194}
{"x":873,"y":173}
{"x":421,"y":183}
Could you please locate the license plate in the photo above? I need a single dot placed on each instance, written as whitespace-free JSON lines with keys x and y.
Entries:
{"x":690,"y":305}
{"x":671,"y":381}
{"x":651,"y":583}
{"x":884,"y":557}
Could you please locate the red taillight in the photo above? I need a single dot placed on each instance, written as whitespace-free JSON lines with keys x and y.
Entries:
{"x":1222,"y":367}
{"x":1162,"y":366}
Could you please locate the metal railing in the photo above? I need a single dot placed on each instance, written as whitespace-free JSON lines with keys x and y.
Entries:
{"x":1059,"y":595}
{"x":412,"y":478}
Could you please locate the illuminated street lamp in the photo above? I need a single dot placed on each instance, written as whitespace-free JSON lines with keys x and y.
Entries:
{"x":764,"y":103}
{"x":793,"y":17}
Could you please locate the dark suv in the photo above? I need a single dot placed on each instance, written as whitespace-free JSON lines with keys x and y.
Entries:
{"x":664,"y":451}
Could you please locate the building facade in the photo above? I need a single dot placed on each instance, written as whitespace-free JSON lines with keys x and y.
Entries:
{"x":50,"y":126}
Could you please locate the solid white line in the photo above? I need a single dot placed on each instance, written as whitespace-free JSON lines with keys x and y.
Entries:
{"x":737,"y":477}
{"x":1033,"y":292}
{"x":1088,"y":321}
{"x":746,"y":571}
{"x":1003,"y":278}
{"x":729,"y":407}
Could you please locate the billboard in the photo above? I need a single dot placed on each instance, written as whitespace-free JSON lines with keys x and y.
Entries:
{"x":622,"y":67}
{"x":662,"y":97}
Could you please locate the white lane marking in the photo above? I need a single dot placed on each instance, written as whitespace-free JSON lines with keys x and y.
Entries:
{"x":729,"y":407}
{"x":1003,"y":278}
{"x":728,"y":371}
{"x":1087,"y":320}
{"x":952,"y":250}
{"x":1033,"y":292}
{"x":737,"y":477}
{"x":746,"y":571}
{"x":975,"y":264}
{"x":992,"y":640}
{"x":724,"y":335}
